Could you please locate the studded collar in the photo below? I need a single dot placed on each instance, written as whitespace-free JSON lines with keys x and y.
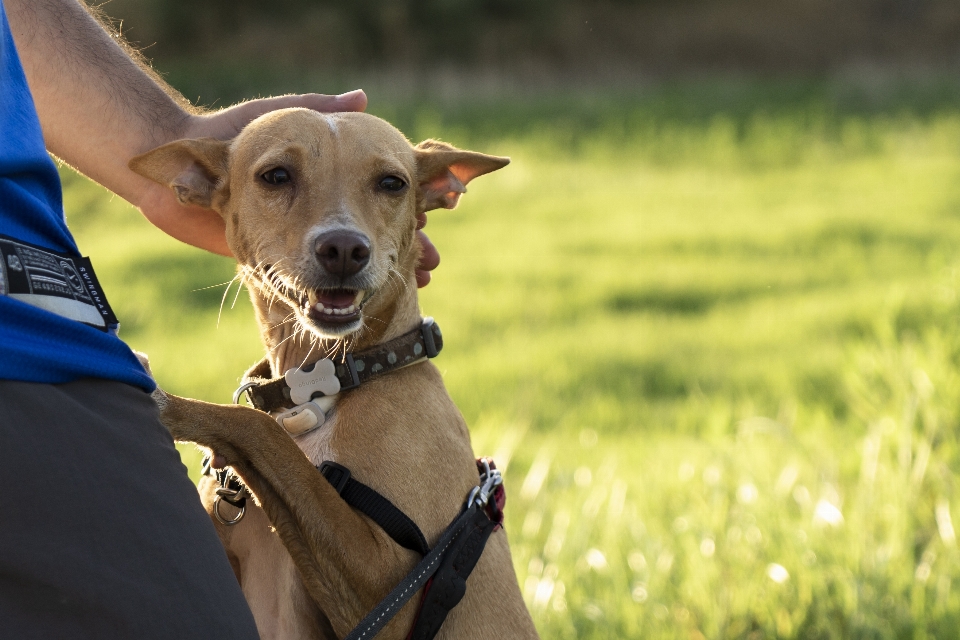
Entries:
{"x":330,"y":376}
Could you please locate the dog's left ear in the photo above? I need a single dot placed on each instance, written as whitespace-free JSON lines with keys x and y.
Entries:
{"x":194,"y":169}
{"x":443,"y":172}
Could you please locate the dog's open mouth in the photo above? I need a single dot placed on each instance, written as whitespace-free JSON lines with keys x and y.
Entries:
{"x":334,"y":306}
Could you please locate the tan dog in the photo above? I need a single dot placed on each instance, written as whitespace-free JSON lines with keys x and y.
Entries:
{"x":321,"y":213}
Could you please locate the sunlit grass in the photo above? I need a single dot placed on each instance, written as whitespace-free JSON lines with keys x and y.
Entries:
{"x":714,"y":349}
{"x":783,"y":529}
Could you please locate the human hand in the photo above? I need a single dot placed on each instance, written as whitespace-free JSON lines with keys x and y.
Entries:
{"x":227,"y":123}
{"x":429,"y":256}
{"x":204,"y":228}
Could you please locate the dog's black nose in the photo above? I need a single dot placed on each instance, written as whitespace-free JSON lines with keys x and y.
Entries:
{"x":342,"y":253}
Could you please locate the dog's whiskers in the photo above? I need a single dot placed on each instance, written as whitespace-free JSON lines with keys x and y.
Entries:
{"x":383,"y":322}
{"x":214,"y":286}
{"x":224,"y":297}
{"x":396,"y":280}
{"x":235,"y":298}
{"x":307,"y":357}
{"x":291,"y":316}
{"x":292,"y":335}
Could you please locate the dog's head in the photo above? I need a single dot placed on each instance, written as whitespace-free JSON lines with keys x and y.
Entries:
{"x":321,"y":209}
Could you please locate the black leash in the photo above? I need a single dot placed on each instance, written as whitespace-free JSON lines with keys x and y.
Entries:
{"x":446,"y":566}
{"x":401,"y":594}
{"x":449,"y":583}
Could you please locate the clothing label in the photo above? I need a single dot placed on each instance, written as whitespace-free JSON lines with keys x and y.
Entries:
{"x":59,"y":283}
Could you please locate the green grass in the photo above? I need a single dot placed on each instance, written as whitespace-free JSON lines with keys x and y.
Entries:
{"x":696,"y":324}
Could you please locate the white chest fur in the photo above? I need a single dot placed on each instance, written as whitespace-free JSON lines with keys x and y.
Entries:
{"x":316,"y":444}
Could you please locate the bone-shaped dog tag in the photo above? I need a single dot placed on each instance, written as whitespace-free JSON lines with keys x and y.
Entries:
{"x":302,"y":419}
{"x":322,"y":378}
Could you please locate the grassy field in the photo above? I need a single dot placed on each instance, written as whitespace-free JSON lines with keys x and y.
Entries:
{"x":708,"y":328}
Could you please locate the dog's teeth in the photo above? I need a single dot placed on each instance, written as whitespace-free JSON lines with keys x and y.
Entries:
{"x":357,"y":299}
{"x":335,"y":311}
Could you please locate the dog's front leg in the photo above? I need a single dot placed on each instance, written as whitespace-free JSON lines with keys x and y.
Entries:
{"x":346,"y":564}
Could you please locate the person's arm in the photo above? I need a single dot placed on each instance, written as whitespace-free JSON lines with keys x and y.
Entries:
{"x":99,"y":106}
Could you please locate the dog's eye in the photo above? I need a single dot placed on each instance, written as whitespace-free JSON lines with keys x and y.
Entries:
{"x":276,"y":176}
{"x":392,"y":183}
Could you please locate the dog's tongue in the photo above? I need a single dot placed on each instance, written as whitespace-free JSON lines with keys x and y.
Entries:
{"x":336,"y":299}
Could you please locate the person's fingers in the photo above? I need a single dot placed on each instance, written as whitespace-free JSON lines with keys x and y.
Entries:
{"x":355,"y":100}
{"x":429,"y":259}
{"x":421,"y":220}
{"x":227,"y":123}
{"x":351,"y":101}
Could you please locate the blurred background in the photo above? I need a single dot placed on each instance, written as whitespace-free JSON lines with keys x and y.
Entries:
{"x":706,"y":319}
{"x":603,"y":43}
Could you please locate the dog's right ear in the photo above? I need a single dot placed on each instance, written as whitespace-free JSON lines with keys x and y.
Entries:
{"x":195,"y":169}
{"x":444,"y":171}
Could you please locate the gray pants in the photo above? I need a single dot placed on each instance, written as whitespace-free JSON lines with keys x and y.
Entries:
{"x":102,"y":534}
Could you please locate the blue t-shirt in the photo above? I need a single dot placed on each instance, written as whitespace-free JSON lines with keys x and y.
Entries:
{"x":37,"y":345}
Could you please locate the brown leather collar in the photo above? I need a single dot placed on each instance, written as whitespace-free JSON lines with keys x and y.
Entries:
{"x":270,"y":393}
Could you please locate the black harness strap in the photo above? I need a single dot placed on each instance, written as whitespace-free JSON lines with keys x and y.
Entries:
{"x":401,"y":594}
{"x":369,"y":502}
{"x":445,"y":568}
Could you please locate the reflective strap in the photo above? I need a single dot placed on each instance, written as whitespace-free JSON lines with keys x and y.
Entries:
{"x":389,"y":606}
{"x":69,"y":309}
{"x":449,"y":583}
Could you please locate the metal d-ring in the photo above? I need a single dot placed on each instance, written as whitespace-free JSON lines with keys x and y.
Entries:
{"x":241,"y":389}
{"x":229,"y":523}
